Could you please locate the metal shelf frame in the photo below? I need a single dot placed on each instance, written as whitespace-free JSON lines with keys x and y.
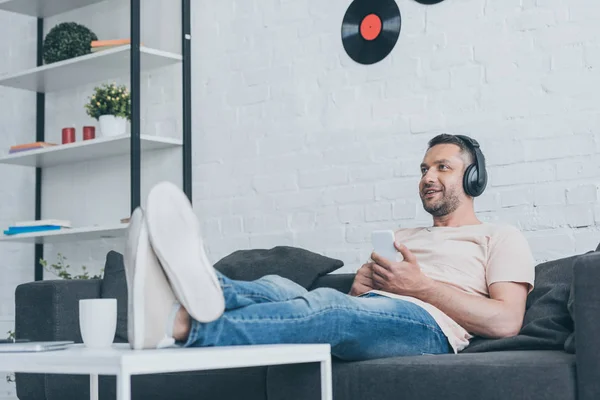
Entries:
{"x":135,"y":147}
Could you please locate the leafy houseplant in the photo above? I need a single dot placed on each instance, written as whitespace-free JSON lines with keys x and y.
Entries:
{"x":60,"y":269}
{"x":111,"y":106}
{"x":67,"y":40}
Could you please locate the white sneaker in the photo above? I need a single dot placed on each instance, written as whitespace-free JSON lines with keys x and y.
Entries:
{"x":175,"y":236}
{"x":152,"y":305}
{"x":131,"y":244}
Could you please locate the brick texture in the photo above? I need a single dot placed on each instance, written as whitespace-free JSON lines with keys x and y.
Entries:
{"x":338,"y":144}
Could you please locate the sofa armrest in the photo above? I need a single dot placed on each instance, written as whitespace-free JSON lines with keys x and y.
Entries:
{"x":49,"y":310}
{"x":587,"y":325}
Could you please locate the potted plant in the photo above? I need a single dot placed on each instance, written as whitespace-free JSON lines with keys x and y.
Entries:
{"x":111,"y":106}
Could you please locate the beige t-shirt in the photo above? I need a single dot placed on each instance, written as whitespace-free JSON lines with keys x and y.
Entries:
{"x":470,"y":258}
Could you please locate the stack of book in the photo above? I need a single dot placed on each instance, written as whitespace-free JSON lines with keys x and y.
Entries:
{"x":99,"y":45}
{"x":42,"y":225}
{"x":29,"y":146}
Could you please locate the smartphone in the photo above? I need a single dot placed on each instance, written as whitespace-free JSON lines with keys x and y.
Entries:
{"x":383,"y":244}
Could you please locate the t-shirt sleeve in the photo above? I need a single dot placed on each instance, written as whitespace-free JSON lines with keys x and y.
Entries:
{"x":510,"y":258}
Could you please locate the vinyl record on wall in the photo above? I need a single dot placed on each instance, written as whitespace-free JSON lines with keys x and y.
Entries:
{"x":429,"y":1}
{"x":370,"y":29}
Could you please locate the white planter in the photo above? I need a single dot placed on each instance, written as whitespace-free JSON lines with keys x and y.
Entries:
{"x":112,"y":126}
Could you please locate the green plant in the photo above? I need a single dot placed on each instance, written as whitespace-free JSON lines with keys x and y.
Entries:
{"x":109,"y":99}
{"x":60,"y":269}
{"x":67,"y":40}
{"x":10,"y":378}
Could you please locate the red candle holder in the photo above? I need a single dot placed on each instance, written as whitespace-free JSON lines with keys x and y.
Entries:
{"x":68,"y":135}
{"x":89,"y":132}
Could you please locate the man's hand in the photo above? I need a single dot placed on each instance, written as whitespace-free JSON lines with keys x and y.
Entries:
{"x":403,"y":278}
{"x":363,"y":280}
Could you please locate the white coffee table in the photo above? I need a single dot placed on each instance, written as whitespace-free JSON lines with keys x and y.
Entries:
{"x":123,"y":362}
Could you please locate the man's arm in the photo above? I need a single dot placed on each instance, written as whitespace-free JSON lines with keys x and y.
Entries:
{"x":363,"y":280}
{"x":499,"y":316}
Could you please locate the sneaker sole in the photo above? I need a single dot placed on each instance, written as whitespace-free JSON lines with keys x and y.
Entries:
{"x":175,"y":237}
{"x":138,"y":260}
{"x":131,"y":256}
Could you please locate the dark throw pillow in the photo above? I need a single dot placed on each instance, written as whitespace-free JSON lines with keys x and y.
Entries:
{"x":114,"y":286}
{"x":299,"y":265}
{"x":547,"y":323}
{"x":570,"y":342}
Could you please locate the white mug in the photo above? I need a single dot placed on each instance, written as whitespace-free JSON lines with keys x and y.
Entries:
{"x":98,"y":322}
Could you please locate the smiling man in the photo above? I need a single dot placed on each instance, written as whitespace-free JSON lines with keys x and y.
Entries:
{"x":458,"y":278}
{"x":472,"y":277}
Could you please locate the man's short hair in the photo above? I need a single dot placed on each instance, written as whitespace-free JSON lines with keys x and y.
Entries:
{"x":446,"y":138}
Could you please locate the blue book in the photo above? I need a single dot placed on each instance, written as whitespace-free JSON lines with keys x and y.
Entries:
{"x":14,"y":230}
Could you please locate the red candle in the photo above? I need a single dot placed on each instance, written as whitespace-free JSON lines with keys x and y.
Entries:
{"x":89,"y":132}
{"x":68,"y":135}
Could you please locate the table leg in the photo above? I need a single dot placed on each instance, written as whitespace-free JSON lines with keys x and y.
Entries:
{"x":94,"y":387}
{"x":124,"y":387}
{"x":326,"y":378}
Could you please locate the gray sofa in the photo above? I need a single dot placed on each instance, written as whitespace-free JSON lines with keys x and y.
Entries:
{"x":554,"y":357}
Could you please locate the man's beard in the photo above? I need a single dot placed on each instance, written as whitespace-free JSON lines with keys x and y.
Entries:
{"x":448,"y":203}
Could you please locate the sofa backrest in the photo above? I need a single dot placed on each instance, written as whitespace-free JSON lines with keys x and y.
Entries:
{"x":341,"y":282}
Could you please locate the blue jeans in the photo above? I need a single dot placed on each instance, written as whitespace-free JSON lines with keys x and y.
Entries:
{"x":273,"y":310}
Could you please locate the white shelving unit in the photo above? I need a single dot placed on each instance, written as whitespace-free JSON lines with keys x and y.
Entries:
{"x":43,"y":8}
{"x":69,"y":235}
{"x":89,"y":68}
{"x":68,"y":74}
{"x":86,"y":150}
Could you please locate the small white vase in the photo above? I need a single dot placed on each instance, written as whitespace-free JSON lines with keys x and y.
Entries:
{"x":111,"y":125}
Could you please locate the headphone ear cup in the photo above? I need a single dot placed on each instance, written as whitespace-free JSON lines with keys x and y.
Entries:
{"x":483,"y":184}
{"x":470,"y":181}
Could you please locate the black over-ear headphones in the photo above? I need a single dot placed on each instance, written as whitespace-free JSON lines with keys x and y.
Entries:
{"x":475,"y":178}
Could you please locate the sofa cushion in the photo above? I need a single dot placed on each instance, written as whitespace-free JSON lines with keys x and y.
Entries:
{"x":340,"y":282}
{"x":114,"y":286}
{"x":547,"y":323}
{"x":570,"y":342}
{"x":299,"y":265}
{"x":515,"y":375}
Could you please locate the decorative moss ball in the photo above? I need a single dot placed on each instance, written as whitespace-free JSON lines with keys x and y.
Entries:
{"x":67,"y":40}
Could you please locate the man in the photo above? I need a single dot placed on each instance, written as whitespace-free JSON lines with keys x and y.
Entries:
{"x":458,"y":278}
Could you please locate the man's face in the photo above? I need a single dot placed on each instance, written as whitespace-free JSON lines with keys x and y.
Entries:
{"x":441,"y":188}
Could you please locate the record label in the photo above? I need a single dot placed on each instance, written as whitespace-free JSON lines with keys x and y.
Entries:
{"x":370,"y":29}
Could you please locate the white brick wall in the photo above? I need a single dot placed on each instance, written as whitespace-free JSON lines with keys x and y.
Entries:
{"x":17,"y":117}
{"x":296,"y":144}
{"x":335,"y":135}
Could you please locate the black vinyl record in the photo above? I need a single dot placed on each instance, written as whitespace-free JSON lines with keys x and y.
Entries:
{"x":370,"y":29}
{"x":429,"y":1}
